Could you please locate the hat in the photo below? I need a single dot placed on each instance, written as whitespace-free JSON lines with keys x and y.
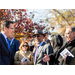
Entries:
{"x":38,"y":32}
{"x":45,"y":32}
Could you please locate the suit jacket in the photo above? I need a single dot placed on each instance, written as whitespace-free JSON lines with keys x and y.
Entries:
{"x":15,"y":46}
{"x":6,"y":56}
{"x":43,"y":49}
{"x":19,"y":56}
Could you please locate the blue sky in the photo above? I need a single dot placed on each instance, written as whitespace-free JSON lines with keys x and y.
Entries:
{"x":40,"y":14}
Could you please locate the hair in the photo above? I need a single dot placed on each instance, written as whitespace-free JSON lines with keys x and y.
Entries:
{"x":20,"y":47}
{"x":72,"y":28}
{"x":5,"y":23}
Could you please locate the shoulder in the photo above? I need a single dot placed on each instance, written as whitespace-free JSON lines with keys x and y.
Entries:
{"x":29,"y":52}
{"x":48,"y":48}
{"x":1,"y":35}
{"x":17,"y":52}
{"x":47,"y":45}
{"x":16,"y":41}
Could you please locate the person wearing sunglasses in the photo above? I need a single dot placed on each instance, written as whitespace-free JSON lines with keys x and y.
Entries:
{"x":23,"y":53}
{"x":41,"y":48}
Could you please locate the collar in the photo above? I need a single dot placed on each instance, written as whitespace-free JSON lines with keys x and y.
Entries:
{"x":24,"y":51}
{"x":4,"y":36}
{"x":41,"y":43}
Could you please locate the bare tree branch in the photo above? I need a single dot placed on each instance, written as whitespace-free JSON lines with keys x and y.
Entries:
{"x":62,"y":16}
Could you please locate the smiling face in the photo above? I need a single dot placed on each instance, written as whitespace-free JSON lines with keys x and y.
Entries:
{"x":24,"y":47}
{"x":69,"y":34}
{"x":38,"y":38}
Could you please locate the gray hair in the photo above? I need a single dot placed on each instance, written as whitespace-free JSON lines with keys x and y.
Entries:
{"x":72,"y":28}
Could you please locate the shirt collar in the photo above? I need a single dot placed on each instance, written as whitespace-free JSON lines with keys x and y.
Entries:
{"x":4,"y":36}
{"x":41,"y":43}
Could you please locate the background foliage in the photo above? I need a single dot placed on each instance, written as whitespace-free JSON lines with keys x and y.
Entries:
{"x":24,"y":26}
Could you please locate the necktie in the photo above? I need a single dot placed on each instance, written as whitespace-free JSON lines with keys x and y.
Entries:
{"x":8,"y":43}
{"x":36,"y":52}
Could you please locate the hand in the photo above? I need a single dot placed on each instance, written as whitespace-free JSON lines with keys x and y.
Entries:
{"x":65,"y":57}
{"x":23,"y":63}
{"x":46,"y":58}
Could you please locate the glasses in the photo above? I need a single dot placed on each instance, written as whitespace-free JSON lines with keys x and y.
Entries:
{"x":25,"y":45}
{"x":36,"y":36}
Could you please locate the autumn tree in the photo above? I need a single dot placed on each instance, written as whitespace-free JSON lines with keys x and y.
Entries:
{"x":23,"y":25}
{"x":61,"y":18}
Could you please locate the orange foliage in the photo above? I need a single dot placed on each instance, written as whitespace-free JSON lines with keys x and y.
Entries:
{"x":23,"y":25}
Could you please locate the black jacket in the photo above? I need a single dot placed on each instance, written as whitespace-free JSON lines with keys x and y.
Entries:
{"x":6,"y":56}
{"x":69,"y":60}
{"x":15,"y":46}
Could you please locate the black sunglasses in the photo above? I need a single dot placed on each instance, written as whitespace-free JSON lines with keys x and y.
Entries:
{"x":25,"y":45}
{"x":36,"y":36}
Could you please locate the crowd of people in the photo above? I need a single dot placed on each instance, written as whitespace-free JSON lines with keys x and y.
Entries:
{"x":44,"y":51}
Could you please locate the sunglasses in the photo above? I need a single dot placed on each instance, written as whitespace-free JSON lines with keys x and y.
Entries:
{"x":25,"y":45}
{"x":36,"y":36}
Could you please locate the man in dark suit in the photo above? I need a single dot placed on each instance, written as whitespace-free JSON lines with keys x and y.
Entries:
{"x":6,"y":55}
{"x":14,"y":44}
{"x":41,"y":49}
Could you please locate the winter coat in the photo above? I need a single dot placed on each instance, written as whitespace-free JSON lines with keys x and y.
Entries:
{"x":57,"y":42}
{"x":69,"y":60}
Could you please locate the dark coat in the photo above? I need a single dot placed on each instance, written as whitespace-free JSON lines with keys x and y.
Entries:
{"x":69,"y":60}
{"x":6,"y":56}
{"x":15,"y":46}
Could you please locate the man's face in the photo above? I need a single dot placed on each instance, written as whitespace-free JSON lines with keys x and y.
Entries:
{"x":38,"y":38}
{"x":46,"y":37}
{"x":9,"y":31}
{"x":69,"y":35}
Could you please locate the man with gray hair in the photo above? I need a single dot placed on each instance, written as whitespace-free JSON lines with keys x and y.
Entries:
{"x":69,"y":45}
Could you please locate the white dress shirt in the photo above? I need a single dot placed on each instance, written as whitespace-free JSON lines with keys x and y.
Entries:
{"x":4,"y":36}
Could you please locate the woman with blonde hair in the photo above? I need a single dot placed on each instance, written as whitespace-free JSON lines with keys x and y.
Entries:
{"x":24,"y":52}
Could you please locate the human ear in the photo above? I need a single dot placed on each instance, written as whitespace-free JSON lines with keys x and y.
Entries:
{"x":5,"y":28}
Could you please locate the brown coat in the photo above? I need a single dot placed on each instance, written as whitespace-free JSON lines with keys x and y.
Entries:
{"x":19,"y":56}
